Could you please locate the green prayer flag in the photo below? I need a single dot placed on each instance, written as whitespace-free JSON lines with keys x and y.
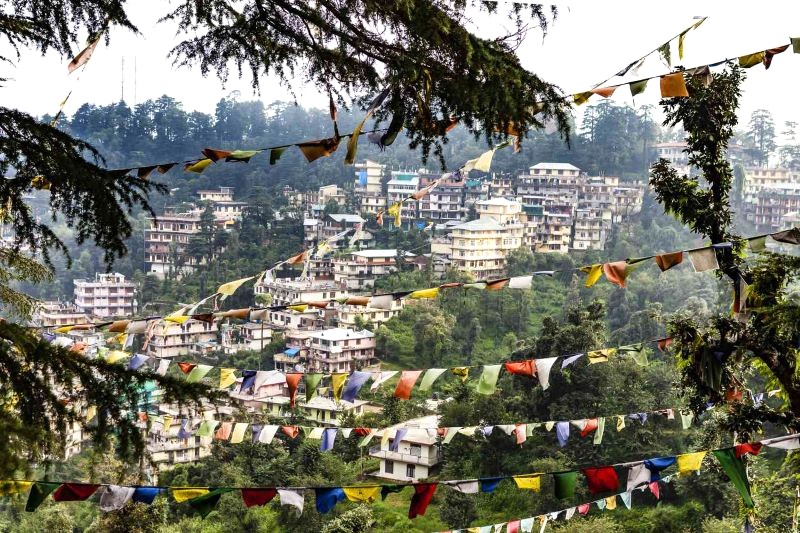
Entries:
{"x":565,"y":484}
{"x":276,"y":154}
{"x":390,"y":489}
{"x":734,"y":467}
{"x":242,"y":155}
{"x":39,"y":491}
{"x":487,"y":383}
{"x":598,"y":433}
{"x":431,"y":375}
{"x":637,"y":352}
{"x":757,"y":244}
{"x":666,"y":53}
{"x":451,"y":432}
{"x":198,"y":373}
{"x":796,"y":45}
{"x":206,"y":428}
{"x":637,"y":87}
{"x":205,"y":504}
{"x":312,"y":380}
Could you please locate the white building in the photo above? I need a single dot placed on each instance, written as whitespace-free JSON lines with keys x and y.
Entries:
{"x":172,"y":340}
{"x":400,"y":187}
{"x":55,"y":314}
{"x":357,"y":271}
{"x":416,"y":454}
{"x":235,"y":338}
{"x":109,"y":295}
{"x":340,"y":350}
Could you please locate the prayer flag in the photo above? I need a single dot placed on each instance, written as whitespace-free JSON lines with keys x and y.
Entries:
{"x":543,"y":367}
{"x":600,"y":356}
{"x":569,"y":360}
{"x":337,"y":383}
{"x":379,"y":378}
{"x":605,"y":92}
{"x":488,"y":380}
{"x":690,"y":462}
{"x":520,"y":282}
{"x":227,"y":289}
{"x":589,"y":426}
{"x":83,"y":56}
{"x":38,"y":493}
{"x":114,"y":497}
{"x":198,"y":166}
{"x":582,"y":98}
{"x":656,"y":465}
{"x":529,"y":482}
{"x":137,"y":361}
{"x":789,"y":236}
{"x":598,"y":434}
{"x":584,"y":509}
{"x":293,"y":498}
{"x":638,"y":475}
{"x":312,"y":381}
{"x":74,"y":492}
{"x":423,"y":494}
{"x":205,"y":504}
{"x":188,"y":493}
{"x":241,"y":156}
{"x":562,"y":433}
{"x":238,"y":432}
{"x":772,"y":52}
{"x":637,"y":87}
{"x":673,"y":85}
{"x":267,"y":433}
{"x":352,"y":144}
{"x":464,"y":487}
{"x":292,"y":380}
{"x":362,"y":494}
{"x":497,"y":284}
{"x":795,"y":44}
{"x":227,"y":377}
{"x":327,"y":498}
{"x":601,"y":479}
{"x":489,"y":484}
{"x":611,"y":502}
{"x":593,"y":274}
{"x":276,"y":153}
{"x":461,"y":371}
{"x":753,"y":448}
{"x":252,"y":497}
{"x":206,"y":428}
{"x":290,"y":431}
{"x":703,"y":259}
{"x":734,"y":467}
{"x":564,"y":484}
{"x":431,"y":375}
{"x":424,"y":293}
{"x":757,"y":244}
{"x":406,"y":383}
{"x":215,"y":155}
{"x":322,"y":148}
{"x":522,"y":368}
{"x":198,"y":373}
{"x":617,"y":272}
{"x":390,"y":489}
{"x":328,"y":439}
{"x":13,"y":488}
{"x":751,"y":60}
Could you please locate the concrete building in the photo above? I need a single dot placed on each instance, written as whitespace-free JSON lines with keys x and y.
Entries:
{"x":109,"y":295}
{"x":166,"y":449}
{"x":340,"y":350}
{"x":357,"y":271}
{"x":166,"y":243}
{"x":323,"y":411}
{"x":223,"y":194}
{"x":401,"y":186}
{"x":416,"y":454}
{"x":368,"y":187}
{"x":770,"y":205}
{"x":443,"y":203}
{"x":284,"y":291}
{"x":226,"y":210}
{"x":235,"y":338}
{"x":480,"y":246}
{"x":55,"y":314}
{"x":500,"y":187}
{"x":590,"y":230}
{"x":346,"y":315}
{"x":673,"y":151}
{"x":172,"y":340}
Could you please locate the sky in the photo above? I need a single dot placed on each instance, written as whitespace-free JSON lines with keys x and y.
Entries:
{"x":587,"y":43}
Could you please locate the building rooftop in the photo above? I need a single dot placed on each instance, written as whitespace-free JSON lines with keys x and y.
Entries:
{"x":486,"y":223}
{"x":327,"y":404}
{"x":340,"y":334}
{"x":498,"y":201}
{"x":554,"y":166}
{"x":391,"y":252}
{"x":343,"y":217}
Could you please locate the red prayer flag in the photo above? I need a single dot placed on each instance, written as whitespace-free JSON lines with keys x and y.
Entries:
{"x":423,"y":494}
{"x":512,"y":527}
{"x":753,"y":448}
{"x":406,"y":383}
{"x":655,"y":489}
{"x":361,"y":432}
{"x":663,"y":344}
{"x":601,"y":479}
{"x":522,"y":368}
{"x":74,"y":492}
{"x":186,"y":367}
{"x":292,"y":380}
{"x":216,"y":155}
{"x":252,"y":497}
{"x":591,"y":425}
{"x":584,"y":508}
{"x":290,"y":431}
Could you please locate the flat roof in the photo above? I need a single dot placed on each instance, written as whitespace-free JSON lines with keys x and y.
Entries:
{"x":554,"y":166}
{"x":340,"y":334}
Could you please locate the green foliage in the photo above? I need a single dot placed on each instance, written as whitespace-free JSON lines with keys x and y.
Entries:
{"x":352,"y":521}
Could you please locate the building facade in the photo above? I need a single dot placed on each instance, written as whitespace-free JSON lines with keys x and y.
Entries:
{"x":109,"y":295}
{"x":415,"y":456}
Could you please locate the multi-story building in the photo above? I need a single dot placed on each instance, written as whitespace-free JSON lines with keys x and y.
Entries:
{"x":166,"y":243}
{"x":340,"y":350}
{"x":226,"y":210}
{"x":445,"y":202}
{"x":223,"y":194}
{"x":357,"y":271}
{"x":480,"y":246}
{"x":590,"y":230}
{"x":767,"y":179}
{"x":109,"y":295}
{"x":400,"y":187}
{"x":166,"y":448}
{"x":475,"y":191}
{"x":285,"y":291}
{"x":414,"y":457}
{"x":323,"y":411}
{"x":296,"y":351}
{"x":235,"y":338}
{"x":549,"y":177}
{"x":368,"y":187}
{"x":172,"y":340}
{"x":673,"y":151}
{"x":554,"y":233}
{"x":55,"y":314}
{"x":501,"y":186}
{"x":769,"y":207}
{"x":346,"y":315}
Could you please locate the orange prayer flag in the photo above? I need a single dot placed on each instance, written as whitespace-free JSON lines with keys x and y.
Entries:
{"x":318,"y":304}
{"x":224,"y":431}
{"x":497,"y":284}
{"x":522,"y":368}
{"x":163,"y":169}
{"x":605,"y":92}
{"x":243,"y":314}
{"x":204,"y":317}
{"x":591,"y":425}
{"x":664,"y":343}
{"x":186,"y":367}
{"x":292,"y":380}
{"x":83,"y":56}
{"x":673,"y":85}
{"x":297,"y":259}
{"x":316,"y":149}
{"x":290,"y":431}
{"x":144,"y":172}
{"x":118,"y":326}
{"x":406,"y":383}
{"x":667,"y":261}
{"x":616,"y":272}
{"x":358,"y":300}
{"x":216,"y":155}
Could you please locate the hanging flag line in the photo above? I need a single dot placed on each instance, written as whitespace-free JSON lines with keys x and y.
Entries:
{"x":236,"y":432}
{"x":702,"y":258}
{"x":600,"y":479}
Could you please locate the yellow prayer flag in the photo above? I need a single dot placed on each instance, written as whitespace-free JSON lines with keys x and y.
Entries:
{"x":673,"y":85}
{"x":594,"y":272}
{"x":395,"y":211}
{"x":483,"y":162}
{"x":600,"y":356}
{"x":582,"y":98}
{"x":64,"y":329}
{"x":177,"y":319}
{"x":227,"y":289}
{"x":611,"y":502}
{"x":238,"y":432}
{"x":337,"y":381}
{"x":751,"y":60}
{"x":384,"y":437}
{"x":167,"y":422}
{"x":300,"y":308}
{"x":198,"y":166}
{"x":12,"y":488}
{"x":227,"y":377}
{"x":533,"y":483}
{"x":91,"y":412}
{"x":690,"y":462}
{"x":424,"y":293}
{"x":362,"y":494}
{"x":116,"y":355}
{"x":183,"y":494}
{"x":462,"y":372}
{"x":620,"y":422}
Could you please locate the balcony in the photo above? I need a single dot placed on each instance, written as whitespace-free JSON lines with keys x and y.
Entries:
{"x":376,"y":451}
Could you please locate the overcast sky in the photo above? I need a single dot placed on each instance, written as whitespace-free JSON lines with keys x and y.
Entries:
{"x":589,"y":41}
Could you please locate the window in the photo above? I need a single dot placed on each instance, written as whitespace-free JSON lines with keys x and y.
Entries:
{"x":389,"y":467}
{"x":416,"y":450}
{"x":410,"y":470}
